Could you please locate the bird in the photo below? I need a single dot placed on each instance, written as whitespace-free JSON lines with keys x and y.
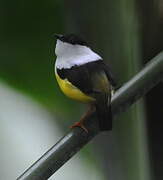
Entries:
{"x":82,"y":75}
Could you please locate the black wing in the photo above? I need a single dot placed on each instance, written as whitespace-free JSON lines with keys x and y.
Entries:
{"x":109,"y":74}
{"x":89,"y":78}
{"x":79,"y":76}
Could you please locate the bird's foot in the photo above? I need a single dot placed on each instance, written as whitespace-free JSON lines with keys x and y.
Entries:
{"x":79,"y":124}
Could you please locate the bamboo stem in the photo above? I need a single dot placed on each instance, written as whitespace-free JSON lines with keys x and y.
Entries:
{"x":71,"y":143}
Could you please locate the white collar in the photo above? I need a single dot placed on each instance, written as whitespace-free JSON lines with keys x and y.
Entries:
{"x":69,"y":55}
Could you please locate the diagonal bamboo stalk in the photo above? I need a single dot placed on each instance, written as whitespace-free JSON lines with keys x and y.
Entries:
{"x":71,"y":143}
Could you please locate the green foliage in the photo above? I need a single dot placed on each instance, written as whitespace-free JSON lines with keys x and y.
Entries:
{"x":27,"y":50}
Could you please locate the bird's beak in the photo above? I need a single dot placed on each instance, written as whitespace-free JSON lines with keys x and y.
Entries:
{"x":58,"y":36}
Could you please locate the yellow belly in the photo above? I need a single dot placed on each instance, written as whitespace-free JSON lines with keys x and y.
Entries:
{"x":72,"y":92}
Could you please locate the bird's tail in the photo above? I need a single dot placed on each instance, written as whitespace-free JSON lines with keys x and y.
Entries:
{"x":103,"y":109}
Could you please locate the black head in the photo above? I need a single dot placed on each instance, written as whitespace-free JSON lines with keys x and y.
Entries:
{"x":71,"y":38}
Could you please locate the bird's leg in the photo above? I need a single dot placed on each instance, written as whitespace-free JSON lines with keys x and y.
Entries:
{"x":91,"y":109}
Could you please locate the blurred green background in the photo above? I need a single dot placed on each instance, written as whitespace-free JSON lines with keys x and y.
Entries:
{"x":126,"y":33}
